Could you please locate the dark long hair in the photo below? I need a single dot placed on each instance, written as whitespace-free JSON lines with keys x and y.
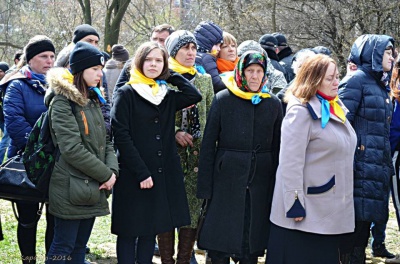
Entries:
{"x":142,"y":53}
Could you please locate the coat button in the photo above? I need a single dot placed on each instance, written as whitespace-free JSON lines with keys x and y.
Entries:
{"x":195,"y":153}
{"x":387,"y":100}
{"x":196,"y":169}
{"x":159,"y":170}
{"x":158,"y":137}
{"x":156,"y":120}
{"x":159,"y":153}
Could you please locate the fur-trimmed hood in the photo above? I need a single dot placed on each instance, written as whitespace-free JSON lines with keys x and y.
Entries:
{"x":59,"y":85}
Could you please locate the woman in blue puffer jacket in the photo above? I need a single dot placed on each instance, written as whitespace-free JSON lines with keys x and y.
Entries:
{"x":209,"y":39}
{"x":365,"y":93}
{"x":23,"y":105}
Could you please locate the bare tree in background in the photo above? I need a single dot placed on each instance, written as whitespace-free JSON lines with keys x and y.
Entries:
{"x":331,"y":23}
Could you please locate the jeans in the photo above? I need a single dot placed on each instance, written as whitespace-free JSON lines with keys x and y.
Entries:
{"x":5,"y":141}
{"x":143,"y":254}
{"x":70,"y":239}
{"x":377,"y":234}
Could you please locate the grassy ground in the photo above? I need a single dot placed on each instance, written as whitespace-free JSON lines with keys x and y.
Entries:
{"x":102,"y":242}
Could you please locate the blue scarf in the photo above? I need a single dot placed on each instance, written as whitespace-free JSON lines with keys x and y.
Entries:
{"x":327,"y":106}
{"x":26,"y":70}
{"x":98,"y":93}
{"x":325,"y":112}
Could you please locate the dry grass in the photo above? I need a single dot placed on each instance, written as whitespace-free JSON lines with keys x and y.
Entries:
{"x":102,"y":242}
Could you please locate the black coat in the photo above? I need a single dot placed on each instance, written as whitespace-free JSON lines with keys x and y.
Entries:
{"x":245,"y":159}
{"x":144,"y":135}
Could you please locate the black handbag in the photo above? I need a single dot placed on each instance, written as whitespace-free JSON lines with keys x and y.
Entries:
{"x":15,"y":185}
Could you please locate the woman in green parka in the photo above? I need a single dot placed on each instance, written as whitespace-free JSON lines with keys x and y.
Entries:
{"x":87,"y":167}
{"x":190,"y":122}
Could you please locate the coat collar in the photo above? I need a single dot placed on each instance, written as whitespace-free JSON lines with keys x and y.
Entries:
{"x":60,"y":86}
{"x":314,"y":107}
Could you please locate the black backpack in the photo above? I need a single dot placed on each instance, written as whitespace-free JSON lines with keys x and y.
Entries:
{"x":41,"y":153}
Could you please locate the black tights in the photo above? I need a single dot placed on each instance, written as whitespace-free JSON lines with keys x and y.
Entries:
{"x":27,"y":212}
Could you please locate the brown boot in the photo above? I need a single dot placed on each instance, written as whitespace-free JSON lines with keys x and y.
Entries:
{"x":187,"y":237}
{"x":166,"y":245}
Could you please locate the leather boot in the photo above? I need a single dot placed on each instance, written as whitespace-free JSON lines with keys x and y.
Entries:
{"x":358,"y":256}
{"x":166,"y":245}
{"x":187,"y":237}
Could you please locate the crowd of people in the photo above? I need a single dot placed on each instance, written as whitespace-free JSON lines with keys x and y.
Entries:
{"x":285,"y":158}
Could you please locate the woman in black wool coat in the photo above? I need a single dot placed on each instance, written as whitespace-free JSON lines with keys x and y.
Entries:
{"x":238,"y":163}
{"x":149,"y":195}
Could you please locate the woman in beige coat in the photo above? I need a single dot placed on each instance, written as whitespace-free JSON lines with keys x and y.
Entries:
{"x":313,"y":197}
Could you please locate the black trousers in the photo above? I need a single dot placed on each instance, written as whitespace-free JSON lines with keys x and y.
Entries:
{"x":359,"y":238}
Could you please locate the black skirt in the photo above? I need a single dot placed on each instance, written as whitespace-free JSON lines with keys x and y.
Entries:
{"x":287,"y":246}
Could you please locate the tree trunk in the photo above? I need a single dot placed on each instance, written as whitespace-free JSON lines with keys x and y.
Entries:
{"x":86,"y":10}
{"x":112,"y":23}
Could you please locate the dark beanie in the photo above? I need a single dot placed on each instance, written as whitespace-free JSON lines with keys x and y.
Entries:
{"x":36,"y":45}
{"x":4,"y":66}
{"x":82,"y":31}
{"x":281,"y":39}
{"x":84,"y":56}
{"x":119,"y":53}
{"x":268,"y":40}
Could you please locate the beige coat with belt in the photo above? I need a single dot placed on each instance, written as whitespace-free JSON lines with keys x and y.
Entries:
{"x":316,"y":167}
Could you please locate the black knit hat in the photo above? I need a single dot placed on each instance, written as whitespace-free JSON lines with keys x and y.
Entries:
{"x":36,"y":45}
{"x":82,"y":31}
{"x":4,"y":66}
{"x":84,"y":56}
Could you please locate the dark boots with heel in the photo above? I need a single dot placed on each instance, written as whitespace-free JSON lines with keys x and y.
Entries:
{"x":187,"y":237}
{"x":166,"y":245}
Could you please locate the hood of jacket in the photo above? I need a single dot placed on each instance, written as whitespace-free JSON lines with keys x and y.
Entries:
{"x":367,"y":51}
{"x":207,"y":34}
{"x":60,"y":86}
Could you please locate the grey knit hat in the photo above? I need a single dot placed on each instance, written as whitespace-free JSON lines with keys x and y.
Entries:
{"x":249,"y":45}
{"x":177,"y":40}
{"x":119,"y":53}
{"x":254,"y":45}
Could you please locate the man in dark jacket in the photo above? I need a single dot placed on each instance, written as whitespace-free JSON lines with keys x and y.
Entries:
{"x":270,"y":44}
{"x":285,"y":55}
{"x":365,"y":94}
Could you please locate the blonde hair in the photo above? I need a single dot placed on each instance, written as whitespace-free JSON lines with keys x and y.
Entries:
{"x":228,"y":38}
{"x":310,"y":77}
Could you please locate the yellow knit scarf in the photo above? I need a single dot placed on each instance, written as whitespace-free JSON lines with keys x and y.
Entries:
{"x":138,"y":78}
{"x":229,"y":81}
{"x":179,"y":68}
{"x":67,"y":76}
